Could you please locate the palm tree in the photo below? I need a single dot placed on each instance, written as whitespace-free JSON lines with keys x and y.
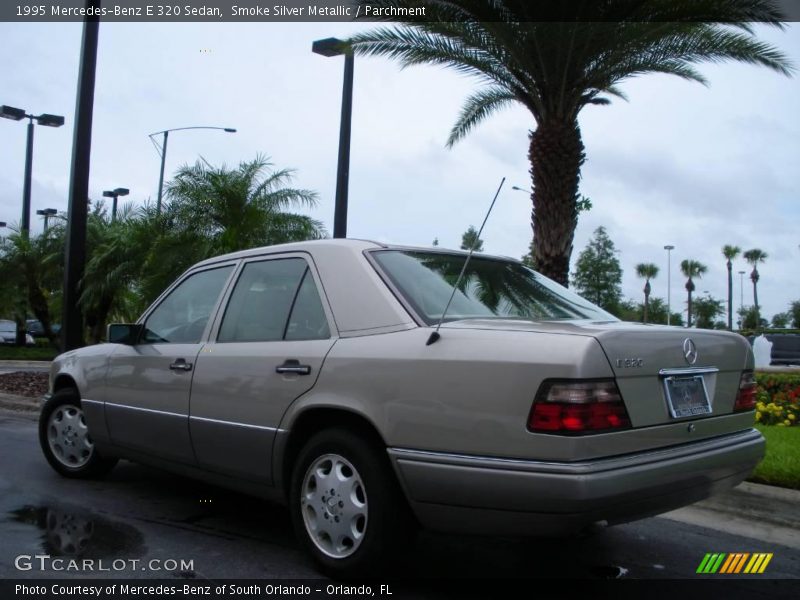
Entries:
{"x":554,"y":59}
{"x":647,"y":271}
{"x":730,"y":252}
{"x":215,"y":210}
{"x":30,"y":267}
{"x":755,"y":256}
{"x":691,"y":269}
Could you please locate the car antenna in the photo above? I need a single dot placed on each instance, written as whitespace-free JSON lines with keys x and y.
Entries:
{"x":435,"y":334}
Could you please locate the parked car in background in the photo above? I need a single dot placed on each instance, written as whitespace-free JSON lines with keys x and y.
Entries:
{"x":312,"y":374}
{"x":37,"y":331}
{"x":8,"y":334}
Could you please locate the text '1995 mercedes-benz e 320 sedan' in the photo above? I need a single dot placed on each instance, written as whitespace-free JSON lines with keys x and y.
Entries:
{"x":307,"y":373}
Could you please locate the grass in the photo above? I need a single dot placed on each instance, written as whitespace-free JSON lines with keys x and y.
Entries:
{"x":781,"y":465}
{"x":33,"y":353}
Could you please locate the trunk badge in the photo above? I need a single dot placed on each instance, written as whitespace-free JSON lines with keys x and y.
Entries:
{"x":689,"y":351}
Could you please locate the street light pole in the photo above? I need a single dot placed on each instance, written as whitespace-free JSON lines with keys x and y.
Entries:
{"x":25,"y":225}
{"x":47,"y":213}
{"x":115,"y":193}
{"x":163,"y":151}
{"x":335,"y":47}
{"x":161,"y":173}
{"x":17,"y":114}
{"x":669,"y":249}
{"x":75,"y":255}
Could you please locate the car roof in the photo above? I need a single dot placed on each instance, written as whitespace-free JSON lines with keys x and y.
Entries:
{"x":337,"y":243}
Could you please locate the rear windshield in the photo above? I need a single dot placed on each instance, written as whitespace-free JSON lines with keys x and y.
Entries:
{"x":490,"y":288}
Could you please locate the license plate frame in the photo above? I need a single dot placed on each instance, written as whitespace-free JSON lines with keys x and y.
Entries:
{"x":687,"y":396}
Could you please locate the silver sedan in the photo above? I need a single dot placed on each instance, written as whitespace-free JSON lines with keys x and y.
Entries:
{"x":310,"y":373}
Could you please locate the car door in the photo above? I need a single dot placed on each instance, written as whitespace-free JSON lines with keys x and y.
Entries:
{"x":269,"y":345}
{"x":148,"y":384}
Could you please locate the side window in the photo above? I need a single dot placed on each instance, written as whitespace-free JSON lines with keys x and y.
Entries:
{"x":274,"y":300}
{"x":261,"y":301}
{"x":308,"y":321}
{"x":182,"y":316}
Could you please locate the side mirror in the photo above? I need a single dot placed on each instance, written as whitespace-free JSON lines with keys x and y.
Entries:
{"x":124,"y":333}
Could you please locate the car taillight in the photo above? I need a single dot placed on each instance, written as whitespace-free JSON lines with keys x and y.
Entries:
{"x":746,"y":398}
{"x":573,"y":407}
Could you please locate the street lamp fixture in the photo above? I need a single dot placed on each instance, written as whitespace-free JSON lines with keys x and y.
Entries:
{"x":669,"y":248}
{"x":335,"y":47}
{"x":115,"y":193}
{"x":46,"y":119}
{"x":162,"y":150}
{"x":47,"y":213}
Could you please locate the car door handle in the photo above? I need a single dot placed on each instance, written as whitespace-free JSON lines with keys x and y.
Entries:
{"x":181,"y":365}
{"x":293,"y":366}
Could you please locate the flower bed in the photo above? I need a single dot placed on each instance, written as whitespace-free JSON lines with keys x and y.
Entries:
{"x":778,"y":399}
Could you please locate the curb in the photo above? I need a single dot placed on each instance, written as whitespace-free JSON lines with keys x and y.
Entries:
{"x":23,"y":404}
{"x":758,"y":502}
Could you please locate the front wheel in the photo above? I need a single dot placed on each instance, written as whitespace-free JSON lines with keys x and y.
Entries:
{"x":65,"y":439}
{"x":346,"y":506}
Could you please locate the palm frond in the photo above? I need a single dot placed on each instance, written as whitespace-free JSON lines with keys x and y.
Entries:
{"x":476,"y":108}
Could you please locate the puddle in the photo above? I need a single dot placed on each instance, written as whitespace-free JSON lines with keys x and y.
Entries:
{"x":76,"y":533}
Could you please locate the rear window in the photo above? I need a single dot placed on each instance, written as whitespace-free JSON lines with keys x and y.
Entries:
{"x":490,"y":288}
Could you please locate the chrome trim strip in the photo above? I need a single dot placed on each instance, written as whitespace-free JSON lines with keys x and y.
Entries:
{"x":687,"y":371}
{"x":91,"y":401}
{"x":234,"y":423}
{"x":577,"y":468}
{"x":149,"y":410}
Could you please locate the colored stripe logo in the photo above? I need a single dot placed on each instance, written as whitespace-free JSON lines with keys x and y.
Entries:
{"x":734,"y":563}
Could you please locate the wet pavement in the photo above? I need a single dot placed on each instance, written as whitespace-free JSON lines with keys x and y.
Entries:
{"x":138,"y":515}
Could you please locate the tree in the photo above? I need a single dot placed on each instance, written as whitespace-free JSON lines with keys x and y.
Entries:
{"x":781,"y":320}
{"x":730,"y":252}
{"x":647,"y":271}
{"x":751,"y":319}
{"x":598,"y":275}
{"x":755,"y":256}
{"x":628,"y":310}
{"x":690,"y":270}
{"x":794,"y":310}
{"x":556,"y":58}
{"x":707,"y":309}
{"x":216,"y":210}
{"x":30,"y":268}
{"x":470,"y":240}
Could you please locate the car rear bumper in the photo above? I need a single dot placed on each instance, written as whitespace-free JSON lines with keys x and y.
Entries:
{"x":472,"y":494}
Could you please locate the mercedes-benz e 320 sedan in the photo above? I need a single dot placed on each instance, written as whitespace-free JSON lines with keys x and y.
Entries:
{"x":307,"y":373}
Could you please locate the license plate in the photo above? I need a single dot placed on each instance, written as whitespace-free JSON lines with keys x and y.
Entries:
{"x":687,"y":396}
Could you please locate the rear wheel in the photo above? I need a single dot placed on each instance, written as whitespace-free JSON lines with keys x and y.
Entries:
{"x":346,"y":505}
{"x":65,"y":439}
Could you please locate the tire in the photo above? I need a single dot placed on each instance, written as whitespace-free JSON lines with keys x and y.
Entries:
{"x":65,"y":439}
{"x":354,"y":531}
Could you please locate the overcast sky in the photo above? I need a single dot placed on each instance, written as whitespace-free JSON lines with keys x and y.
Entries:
{"x":679,"y":164}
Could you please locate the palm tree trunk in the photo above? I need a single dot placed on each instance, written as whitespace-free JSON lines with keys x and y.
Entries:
{"x":556,"y":155}
{"x":730,"y":295}
{"x":755,"y":303}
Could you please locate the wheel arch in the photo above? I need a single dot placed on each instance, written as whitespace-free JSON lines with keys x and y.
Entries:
{"x":64,"y":381}
{"x":318,"y":418}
